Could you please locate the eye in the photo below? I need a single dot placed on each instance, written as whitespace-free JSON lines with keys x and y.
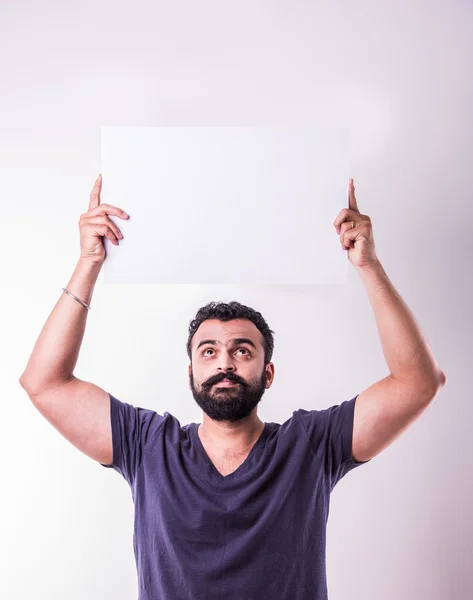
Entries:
{"x":242,"y":348}
{"x":245,"y":349}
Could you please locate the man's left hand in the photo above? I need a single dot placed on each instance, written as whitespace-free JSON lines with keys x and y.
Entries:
{"x":357,"y":240}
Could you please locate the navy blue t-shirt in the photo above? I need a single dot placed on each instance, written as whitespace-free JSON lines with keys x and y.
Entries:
{"x":255,"y":534}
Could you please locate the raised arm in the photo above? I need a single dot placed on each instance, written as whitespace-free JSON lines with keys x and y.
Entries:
{"x":79,"y":410}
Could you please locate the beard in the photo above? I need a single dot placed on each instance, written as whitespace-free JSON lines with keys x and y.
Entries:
{"x":231,"y":403}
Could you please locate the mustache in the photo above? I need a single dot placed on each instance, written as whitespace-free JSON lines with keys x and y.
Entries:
{"x":221,"y":378}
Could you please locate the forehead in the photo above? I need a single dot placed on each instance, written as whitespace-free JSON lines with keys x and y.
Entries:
{"x":224,"y":331}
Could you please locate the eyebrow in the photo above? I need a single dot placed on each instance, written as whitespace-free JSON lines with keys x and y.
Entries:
{"x":234,"y":342}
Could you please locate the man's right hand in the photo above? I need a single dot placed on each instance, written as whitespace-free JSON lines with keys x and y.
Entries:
{"x":95,"y":224}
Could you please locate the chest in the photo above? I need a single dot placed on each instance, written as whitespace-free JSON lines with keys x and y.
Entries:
{"x":226,"y":463}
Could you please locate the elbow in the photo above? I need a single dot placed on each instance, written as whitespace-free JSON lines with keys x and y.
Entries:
{"x":437,"y":383}
{"x":36,"y":387}
{"x":30,"y":386}
{"x":443,"y":379}
{"x":25,"y":384}
{"x":436,"y":380}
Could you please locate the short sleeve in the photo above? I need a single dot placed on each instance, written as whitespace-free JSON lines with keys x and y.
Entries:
{"x":331,"y":434}
{"x":132,"y":429}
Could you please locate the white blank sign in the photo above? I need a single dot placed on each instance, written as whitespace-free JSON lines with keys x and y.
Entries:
{"x":226,"y":205}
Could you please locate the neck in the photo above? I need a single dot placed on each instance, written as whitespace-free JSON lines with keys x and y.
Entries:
{"x":237,"y":436}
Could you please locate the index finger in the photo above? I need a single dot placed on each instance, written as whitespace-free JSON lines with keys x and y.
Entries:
{"x":95,"y":193}
{"x":352,"y":203}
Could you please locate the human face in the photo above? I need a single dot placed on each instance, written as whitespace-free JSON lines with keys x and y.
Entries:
{"x":228,"y":356}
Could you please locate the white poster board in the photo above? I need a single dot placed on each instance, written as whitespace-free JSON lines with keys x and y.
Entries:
{"x":226,"y":205}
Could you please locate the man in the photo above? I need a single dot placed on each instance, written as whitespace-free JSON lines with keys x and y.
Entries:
{"x":232,"y":508}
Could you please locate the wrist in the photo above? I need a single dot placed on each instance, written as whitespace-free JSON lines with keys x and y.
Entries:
{"x":375,"y":265}
{"x":87,"y":270}
{"x":83,"y":279}
{"x":89,"y":265}
{"x":372,"y":273}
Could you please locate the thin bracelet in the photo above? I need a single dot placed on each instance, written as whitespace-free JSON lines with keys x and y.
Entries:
{"x":76,"y":298}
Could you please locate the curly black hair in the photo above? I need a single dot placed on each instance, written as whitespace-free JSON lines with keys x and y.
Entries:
{"x":226,"y":312}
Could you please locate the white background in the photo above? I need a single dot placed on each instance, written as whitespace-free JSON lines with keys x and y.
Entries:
{"x":209,"y":204}
{"x":399,"y":75}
